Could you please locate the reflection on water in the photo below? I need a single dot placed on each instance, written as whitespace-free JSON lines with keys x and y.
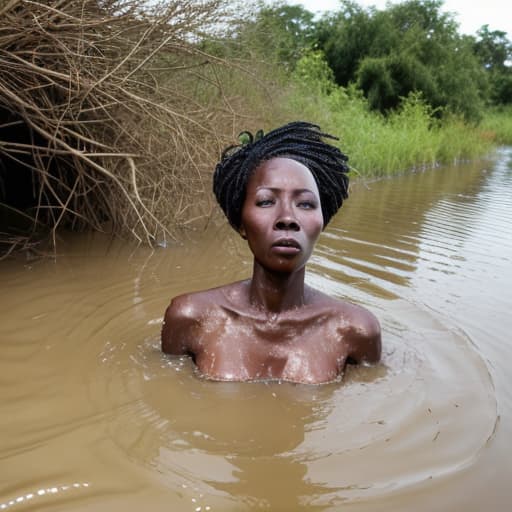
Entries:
{"x":96,"y":417}
{"x":381,"y":238}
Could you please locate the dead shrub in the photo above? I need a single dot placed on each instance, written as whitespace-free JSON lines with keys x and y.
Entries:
{"x":101,"y":125}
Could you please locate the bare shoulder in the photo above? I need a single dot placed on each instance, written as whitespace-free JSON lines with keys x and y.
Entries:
{"x":180,"y":319}
{"x":189,"y":306}
{"x":362,"y":332}
{"x":193,"y":306}
{"x":359,"y":328}
{"x":185,"y":316}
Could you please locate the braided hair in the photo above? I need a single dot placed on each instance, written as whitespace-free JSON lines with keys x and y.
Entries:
{"x":300,"y":141}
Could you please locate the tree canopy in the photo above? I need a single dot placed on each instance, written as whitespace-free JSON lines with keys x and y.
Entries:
{"x":409,"y":47}
{"x":494,"y":52}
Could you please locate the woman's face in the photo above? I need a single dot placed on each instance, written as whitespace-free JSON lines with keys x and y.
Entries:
{"x":282,"y":215}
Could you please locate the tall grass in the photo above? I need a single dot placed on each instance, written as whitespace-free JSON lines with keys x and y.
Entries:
{"x":263,"y":95}
{"x":497,"y":125}
{"x":410,"y":138}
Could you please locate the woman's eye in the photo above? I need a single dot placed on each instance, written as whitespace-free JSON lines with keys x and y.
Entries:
{"x":265,"y":202}
{"x":308,"y":205}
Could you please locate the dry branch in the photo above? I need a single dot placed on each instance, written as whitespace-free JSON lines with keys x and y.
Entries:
{"x":97,"y":106}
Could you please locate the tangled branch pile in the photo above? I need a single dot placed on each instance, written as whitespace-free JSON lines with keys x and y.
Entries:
{"x":101,"y":114}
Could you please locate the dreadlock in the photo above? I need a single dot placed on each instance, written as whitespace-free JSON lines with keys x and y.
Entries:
{"x":299,"y":141}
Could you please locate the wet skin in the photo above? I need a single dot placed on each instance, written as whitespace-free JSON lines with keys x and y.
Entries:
{"x":273,"y":325}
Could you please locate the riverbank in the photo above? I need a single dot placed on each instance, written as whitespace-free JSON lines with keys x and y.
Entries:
{"x":497,"y":124}
{"x":135,"y":160}
{"x":413,"y":137}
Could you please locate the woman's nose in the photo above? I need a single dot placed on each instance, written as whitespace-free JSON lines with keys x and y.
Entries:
{"x":287,"y":222}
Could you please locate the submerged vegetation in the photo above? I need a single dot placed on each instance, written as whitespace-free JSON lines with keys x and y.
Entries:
{"x":113,"y":112}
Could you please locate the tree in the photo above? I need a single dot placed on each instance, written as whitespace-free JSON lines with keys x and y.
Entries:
{"x":278,"y":33}
{"x":408,"y":47}
{"x":494,"y":51}
{"x":349,"y":35}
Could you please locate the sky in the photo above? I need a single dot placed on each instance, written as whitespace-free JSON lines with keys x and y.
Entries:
{"x":470,"y":14}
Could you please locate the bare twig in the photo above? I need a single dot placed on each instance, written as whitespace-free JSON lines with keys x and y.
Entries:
{"x":96,"y":104}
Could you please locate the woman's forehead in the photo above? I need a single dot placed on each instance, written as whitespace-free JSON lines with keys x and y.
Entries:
{"x":282,"y":173}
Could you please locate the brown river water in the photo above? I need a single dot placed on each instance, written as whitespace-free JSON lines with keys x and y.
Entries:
{"x":95,"y":418}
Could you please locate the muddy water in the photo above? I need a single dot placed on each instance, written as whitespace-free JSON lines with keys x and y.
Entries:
{"x":94,"y":417}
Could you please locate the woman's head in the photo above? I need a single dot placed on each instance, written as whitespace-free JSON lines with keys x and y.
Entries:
{"x":298,"y":141}
{"x":281,"y":216}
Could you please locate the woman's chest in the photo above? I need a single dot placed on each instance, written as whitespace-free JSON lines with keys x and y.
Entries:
{"x":296,"y":351}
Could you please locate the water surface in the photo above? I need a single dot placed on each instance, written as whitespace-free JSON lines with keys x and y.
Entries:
{"x":95,"y":418}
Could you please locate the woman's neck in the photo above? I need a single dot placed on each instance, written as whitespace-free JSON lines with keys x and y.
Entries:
{"x":276,"y":292}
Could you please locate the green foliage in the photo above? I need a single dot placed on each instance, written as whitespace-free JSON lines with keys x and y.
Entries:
{"x":503,"y":88}
{"x":497,"y":125}
{"x":494,"y":51}
{"x":284,"y":31}
{"x":411,"y":82}
{"x":493,"y":48}
{"x":388,"y":79}
{"x":347,"y":36}
{"x":277,"y":33}
{"x":313,"y":72}
{"x":411,"y":46}
{"x":411,"y":137}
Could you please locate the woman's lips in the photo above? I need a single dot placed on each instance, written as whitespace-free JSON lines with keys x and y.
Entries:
{"x":286,"y":246}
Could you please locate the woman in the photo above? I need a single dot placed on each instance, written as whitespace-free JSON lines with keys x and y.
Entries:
{"x":279,"y":192}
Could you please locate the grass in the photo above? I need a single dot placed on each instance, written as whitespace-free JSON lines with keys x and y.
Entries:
{"x":408,"y":139}
{"x":497,"y":125}
{"x":413,"y":137}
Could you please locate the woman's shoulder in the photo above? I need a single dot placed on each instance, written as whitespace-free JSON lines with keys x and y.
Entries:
{"x":195,"y":305}
{"x":358,"y":327}
{"x":353,"y":313}
{"x":187,"y":315}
